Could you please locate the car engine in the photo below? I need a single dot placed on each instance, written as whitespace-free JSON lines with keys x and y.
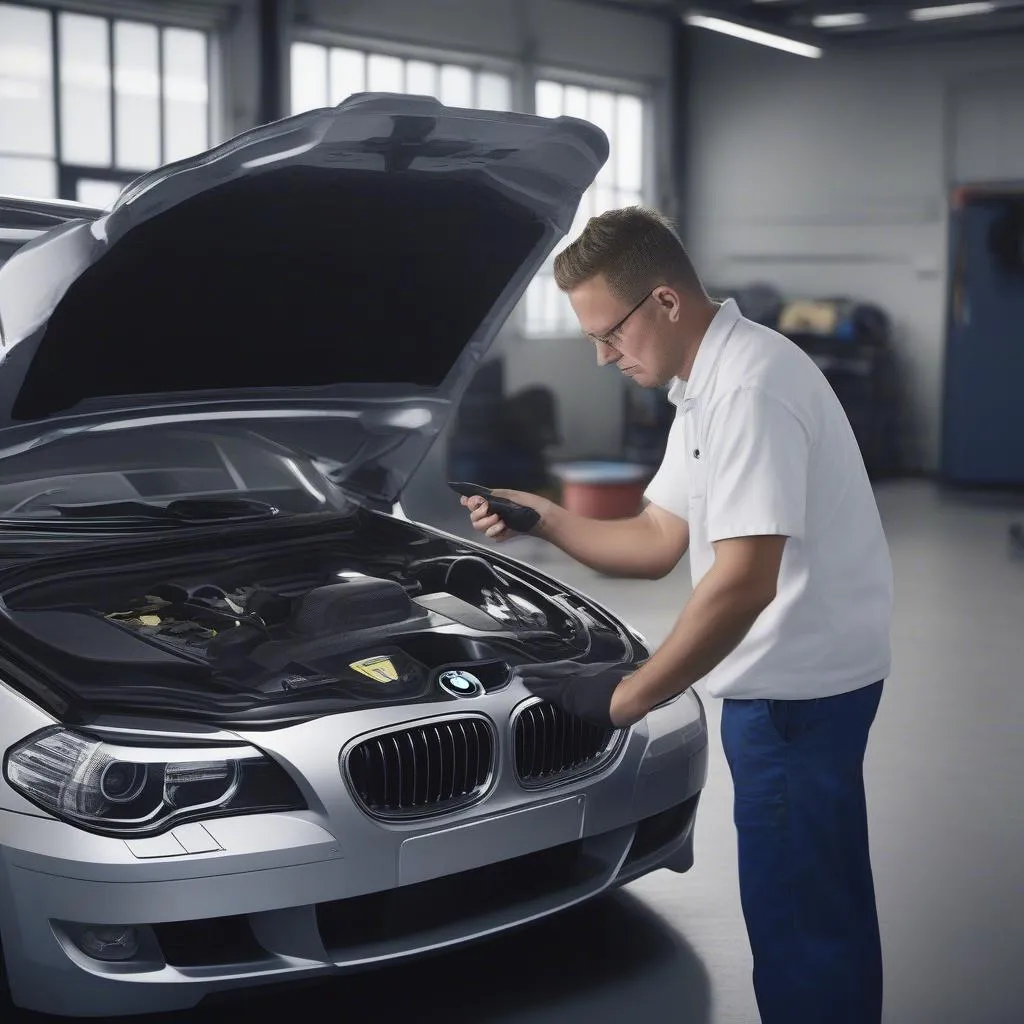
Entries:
{"x":377,"y":629}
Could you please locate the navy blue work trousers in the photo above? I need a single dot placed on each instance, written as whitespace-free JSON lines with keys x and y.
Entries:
{"x":806,"y":885}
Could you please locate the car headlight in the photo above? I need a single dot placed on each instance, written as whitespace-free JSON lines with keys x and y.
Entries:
{"x":142,"y":791}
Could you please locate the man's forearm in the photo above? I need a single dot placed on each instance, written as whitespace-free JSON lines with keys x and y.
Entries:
{"x":717,"y":617}
{"x":616,"y":547}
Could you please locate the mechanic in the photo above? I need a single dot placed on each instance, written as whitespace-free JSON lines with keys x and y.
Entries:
{"x":788,"y":622}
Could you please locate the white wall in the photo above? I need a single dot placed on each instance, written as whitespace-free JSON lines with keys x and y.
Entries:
{"x":830,"y":177}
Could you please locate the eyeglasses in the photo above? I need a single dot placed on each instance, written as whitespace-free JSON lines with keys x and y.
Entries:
{"x":609,"y":336}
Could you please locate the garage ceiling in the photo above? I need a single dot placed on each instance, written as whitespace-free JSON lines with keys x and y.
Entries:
{"x":824,"y":22}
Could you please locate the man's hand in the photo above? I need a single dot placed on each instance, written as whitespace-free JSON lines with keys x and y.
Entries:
{"x":586,"y":691}
{"x":491,"y":524}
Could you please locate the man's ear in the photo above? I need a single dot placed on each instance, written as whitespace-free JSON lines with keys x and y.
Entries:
{"x":668,"y":299}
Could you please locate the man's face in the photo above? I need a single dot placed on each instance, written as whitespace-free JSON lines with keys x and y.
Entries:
{"x":638,"y":338}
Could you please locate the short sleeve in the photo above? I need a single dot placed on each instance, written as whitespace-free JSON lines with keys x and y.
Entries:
{"x":668,"y":488}
{"x":758,"y":453}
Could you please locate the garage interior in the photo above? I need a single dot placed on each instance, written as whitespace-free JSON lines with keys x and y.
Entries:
{"x":847,"y":172}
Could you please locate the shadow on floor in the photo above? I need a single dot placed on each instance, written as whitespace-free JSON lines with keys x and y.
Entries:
{"x":612,"y":959}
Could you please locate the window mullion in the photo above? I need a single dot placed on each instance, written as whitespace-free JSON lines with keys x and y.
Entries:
{"x":58,"y":149}
{"x":211,"y":91}
{"x":161,"y":91}
{"x":112,"y":91}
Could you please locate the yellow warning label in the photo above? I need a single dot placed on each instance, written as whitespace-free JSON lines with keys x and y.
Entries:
{"x":380,"y":669}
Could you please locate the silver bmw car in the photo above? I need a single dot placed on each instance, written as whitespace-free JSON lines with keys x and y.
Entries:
{"x":256,"y":724}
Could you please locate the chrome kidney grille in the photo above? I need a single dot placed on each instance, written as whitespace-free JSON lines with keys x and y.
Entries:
{"x":551,"y":745}
{"x":424,"y":770}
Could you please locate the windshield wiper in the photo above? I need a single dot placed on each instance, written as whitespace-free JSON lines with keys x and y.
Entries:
{"x":181,"y":510}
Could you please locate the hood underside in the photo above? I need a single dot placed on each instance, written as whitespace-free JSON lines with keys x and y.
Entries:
{"x":343,"y":268}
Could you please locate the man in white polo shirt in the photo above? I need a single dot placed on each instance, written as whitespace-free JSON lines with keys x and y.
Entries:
{"x":789,"y":620}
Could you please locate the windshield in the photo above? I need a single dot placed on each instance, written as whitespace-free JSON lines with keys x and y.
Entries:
{"x":119,"y":475}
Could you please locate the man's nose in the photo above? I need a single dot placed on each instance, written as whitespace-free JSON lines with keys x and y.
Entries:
{"x":606,"y":354}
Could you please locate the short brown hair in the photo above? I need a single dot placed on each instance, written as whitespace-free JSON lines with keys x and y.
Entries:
{"x":635,"y":249}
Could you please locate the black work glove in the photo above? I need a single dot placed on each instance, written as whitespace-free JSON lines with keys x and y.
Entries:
{"x":582,"y":690}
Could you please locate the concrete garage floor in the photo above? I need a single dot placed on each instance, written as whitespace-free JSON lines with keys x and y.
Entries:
{"x":947,"y":820}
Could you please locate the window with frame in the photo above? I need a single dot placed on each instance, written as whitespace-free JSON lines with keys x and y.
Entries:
{"x":324,"y":76}
{"x":87,"y":102}
{"x":622,"y":181}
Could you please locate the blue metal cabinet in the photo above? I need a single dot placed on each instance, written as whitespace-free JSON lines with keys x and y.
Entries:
{"x":983,"y":409}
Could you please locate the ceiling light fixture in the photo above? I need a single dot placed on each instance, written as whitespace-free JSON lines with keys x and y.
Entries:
{"x":951,"y":11}
{"x":838,"y":20}
{"x":752,"y":35}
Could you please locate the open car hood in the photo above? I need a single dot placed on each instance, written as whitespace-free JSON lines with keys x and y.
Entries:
{"x":329,"y":282}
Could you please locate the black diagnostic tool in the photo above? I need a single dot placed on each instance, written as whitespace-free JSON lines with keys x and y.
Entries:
{"x":516,"y":517}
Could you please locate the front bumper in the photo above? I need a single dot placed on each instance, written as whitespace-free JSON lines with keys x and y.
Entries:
{"x":279,"y":897}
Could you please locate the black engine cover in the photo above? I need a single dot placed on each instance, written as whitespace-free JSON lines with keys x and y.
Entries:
{"x":350,"y":605}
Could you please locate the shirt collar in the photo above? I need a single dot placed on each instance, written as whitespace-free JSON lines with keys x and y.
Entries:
{"x":708,"y":352}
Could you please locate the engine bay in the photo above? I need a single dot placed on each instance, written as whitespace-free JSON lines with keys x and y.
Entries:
{"x":356,"y":626}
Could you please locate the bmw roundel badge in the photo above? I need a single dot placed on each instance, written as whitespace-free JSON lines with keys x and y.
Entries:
{"x":460,"y":683}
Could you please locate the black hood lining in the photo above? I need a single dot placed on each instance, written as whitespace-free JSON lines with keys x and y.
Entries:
{"x":302,"y":277}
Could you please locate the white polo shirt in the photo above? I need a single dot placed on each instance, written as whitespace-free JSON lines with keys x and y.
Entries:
{"x":761,"y":445}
